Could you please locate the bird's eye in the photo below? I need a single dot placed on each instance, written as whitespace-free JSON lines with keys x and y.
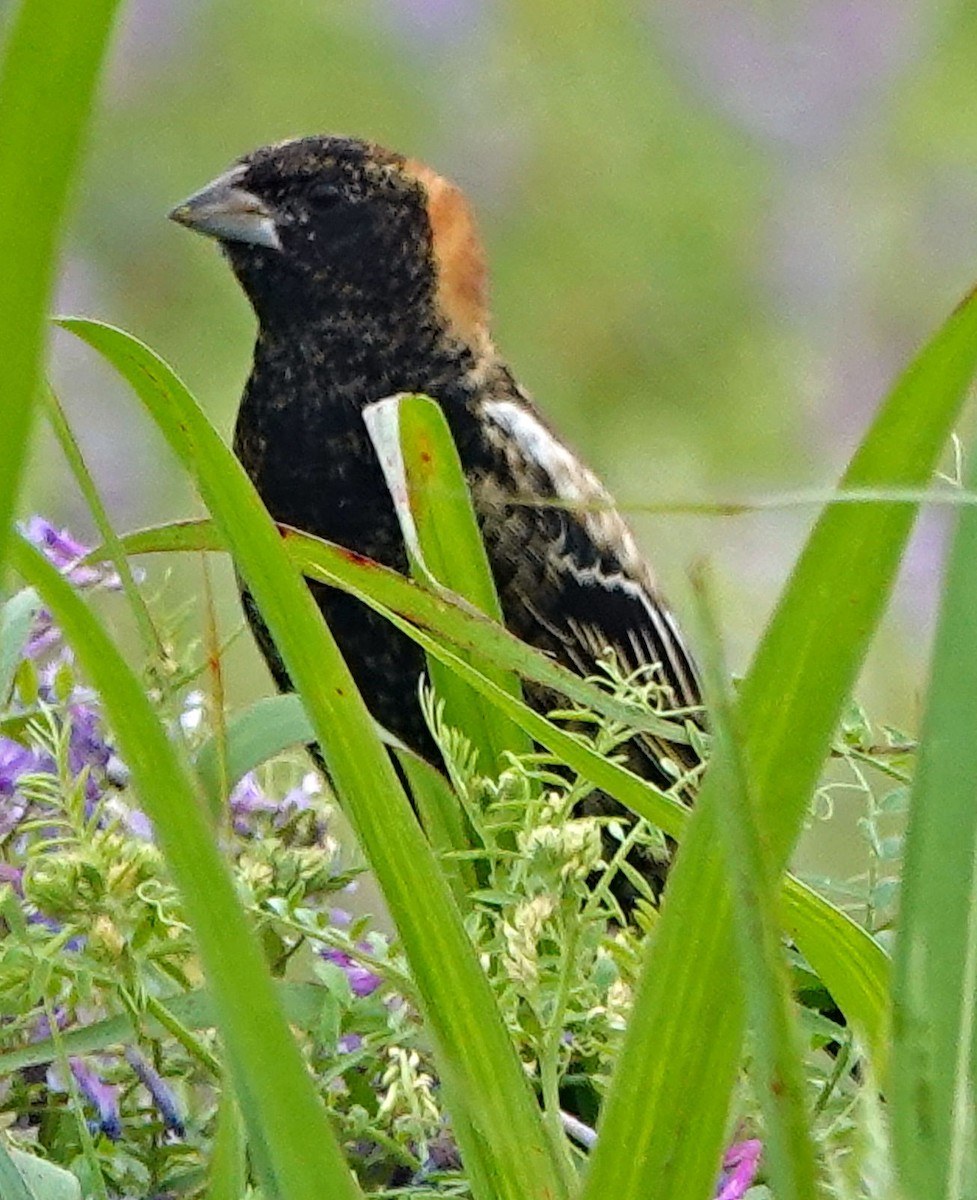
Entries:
{"x":324,"y":195}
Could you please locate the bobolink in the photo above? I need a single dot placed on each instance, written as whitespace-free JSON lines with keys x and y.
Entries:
{"x":368,"y":279}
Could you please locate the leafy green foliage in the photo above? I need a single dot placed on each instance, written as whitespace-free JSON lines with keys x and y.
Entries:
{"x":833,"y":942}
{"x":97,"y":918}
{"x":529,"y":872}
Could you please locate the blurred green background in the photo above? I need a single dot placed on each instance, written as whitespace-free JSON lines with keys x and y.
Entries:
{"x":717,"y":228}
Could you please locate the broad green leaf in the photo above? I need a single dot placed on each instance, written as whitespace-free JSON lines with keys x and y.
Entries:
{"x":16,"y":618}
{"x":428,"y":488}
{"x":274,"y":1087}
{"x":853,"y":966}
{"x":502,"y":1138}
{"x":13,"y":1184}
{"x":52,"y":58}
{"x":24,"y":1176}
{"x":665,"y":1114}
{"x":935,"y":985}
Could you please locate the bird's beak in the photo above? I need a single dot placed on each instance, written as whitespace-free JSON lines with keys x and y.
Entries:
{"x":230,"y":213}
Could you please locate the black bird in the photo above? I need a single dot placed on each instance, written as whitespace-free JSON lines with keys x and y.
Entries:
{"x":367,"y":278}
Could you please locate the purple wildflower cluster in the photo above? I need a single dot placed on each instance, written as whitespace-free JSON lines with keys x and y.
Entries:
{"x":251,"y":807}
{"x":29,"y":779}
{"x":89,"y":752}
{"x":103,"y":1098}
{"x":362,"y":981}
{"x":52,"y":739}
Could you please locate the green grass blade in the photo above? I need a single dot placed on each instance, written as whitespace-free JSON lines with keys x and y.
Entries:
{"x":275,"y":723}
{"x":778,"y":1073}
{"x":480,"y":1072}
{"x":51,"y":62}
{"x":850,"y":962}
{"x":935,"y":982}
{"x":442,"y":816}
{"x":152,"y":645}
{"x":426,"y":480}
{"x":430,"y":494}
{"x":301,"y":1004}
{"x":669,"y":1144}
{"x":443,"y":614}
{"x":271,"y":1080}
{"x":227,"y":1174}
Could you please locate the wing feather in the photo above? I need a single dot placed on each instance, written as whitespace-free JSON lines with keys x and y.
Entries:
{"x":570,"y":576}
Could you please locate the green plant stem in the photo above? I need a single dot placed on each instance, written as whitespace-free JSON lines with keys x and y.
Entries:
{"x":549,"y":1059}
{"x":379,"y":966}
{"x":187,"y":1039}
{"x":152,"y":643}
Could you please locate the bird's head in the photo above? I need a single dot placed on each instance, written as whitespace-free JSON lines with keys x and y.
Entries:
{"x":336,"y":225}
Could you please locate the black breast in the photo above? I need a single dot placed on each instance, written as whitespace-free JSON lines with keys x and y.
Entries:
{"x":301,"y":437}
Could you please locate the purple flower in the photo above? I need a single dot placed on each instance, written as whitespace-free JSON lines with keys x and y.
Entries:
{"x":299,"y":799}
{"x":87,"y":746}
{"x":103,"y":1097}
{"x":362,"y":981}
{"x":14,"y":876}
{"x":66,"y":554}
{"x":44,"y":635}
{"x":88,"y":750}
{"x":138,"y":824}
{"x":15,"y":762}
{"x":740,"y":1165}
{"x":349,"y":1043}
{"x":159,"y":1089}
{"x":247,"y":799}
{"x":304,"y":799}
{"x":442,"y":1155}
{"x":42,"y":1027}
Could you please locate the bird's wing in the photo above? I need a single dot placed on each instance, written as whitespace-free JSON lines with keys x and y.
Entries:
{"x":570,"y":577}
